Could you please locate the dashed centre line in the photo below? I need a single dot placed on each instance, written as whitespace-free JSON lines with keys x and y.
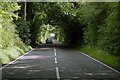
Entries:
{"x":57,"y":73}
{"x":55,"y":54}
{"x":56,"y":62}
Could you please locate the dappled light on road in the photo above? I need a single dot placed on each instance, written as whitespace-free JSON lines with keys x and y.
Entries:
{"x":50,"y":60}
{"x":34,"y":57}
{"x":38,"y":62}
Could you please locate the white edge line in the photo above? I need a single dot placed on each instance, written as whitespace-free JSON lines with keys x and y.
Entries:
{"x":99,"y":62}
{"x":16,"y":59}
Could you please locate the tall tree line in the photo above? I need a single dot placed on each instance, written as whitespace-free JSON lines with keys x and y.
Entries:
{"x":94,"y":24}
{"x":103,"y":29}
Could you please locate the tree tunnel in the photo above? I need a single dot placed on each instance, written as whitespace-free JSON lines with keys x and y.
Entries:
{"x":72,"y":22}
{"x":90,"y":25}
{"x":57,"y":18}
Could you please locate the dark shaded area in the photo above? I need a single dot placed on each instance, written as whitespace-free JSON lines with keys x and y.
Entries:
{"x":61,"y":79}
{"x":31,"y":79}
{"x":71,"y":25}
{"x":94,"y":24}
{"x":55,"y":44}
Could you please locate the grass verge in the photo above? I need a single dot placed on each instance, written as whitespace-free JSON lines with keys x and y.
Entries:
{"x":105,"y":57}
{"x":11,"y":53}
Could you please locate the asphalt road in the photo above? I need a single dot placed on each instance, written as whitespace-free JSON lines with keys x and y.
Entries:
{"x":57,"y":62}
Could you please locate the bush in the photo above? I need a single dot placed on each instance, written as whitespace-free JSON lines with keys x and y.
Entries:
{"x":11,"y":45}
{"x":102,"y":26}
{"x":3,"y":57}
{"x":12,"y":53}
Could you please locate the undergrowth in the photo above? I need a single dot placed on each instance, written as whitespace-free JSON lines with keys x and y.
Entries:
{"x":11,"y":53}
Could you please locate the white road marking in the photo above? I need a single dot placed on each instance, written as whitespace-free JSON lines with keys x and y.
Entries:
{"x":99,"y":62}
{"x":55,"y":54}
{"x":57,"y":73}
{"x":16,"y":59}
{"x":54,"y":50}
{"x":56,"y":62}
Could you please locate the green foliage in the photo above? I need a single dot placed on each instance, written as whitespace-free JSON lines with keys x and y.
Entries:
{"x":11,"y":45}
{"x":102,"y":26}
{"x":0,"y":36}
{"x":12,"y":53}
{"x":3,"y":57}
{"x":25,"y":48}
{"x":46,"y":30}
{"x":99,"y":12}
{"x":96,"y":21}
{"x":23,"y":30}
{"x":60,"y":34}
{"x":7,"y":26}
{"x":58,"y":18}
{"x":109,"y":38}
{"x":95,"y":24}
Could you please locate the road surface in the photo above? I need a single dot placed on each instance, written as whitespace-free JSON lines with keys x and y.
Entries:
{"x":57,"y":62}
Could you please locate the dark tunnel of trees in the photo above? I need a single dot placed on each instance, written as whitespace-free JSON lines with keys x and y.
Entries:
{"x":95,"y":24}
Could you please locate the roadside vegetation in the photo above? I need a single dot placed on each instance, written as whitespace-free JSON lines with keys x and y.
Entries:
{"x":81,"y":23}
{"x":99,"y":54}
{"x":11,"y":45}
{"x":101,"y":33}
{"x":11,"y":53}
